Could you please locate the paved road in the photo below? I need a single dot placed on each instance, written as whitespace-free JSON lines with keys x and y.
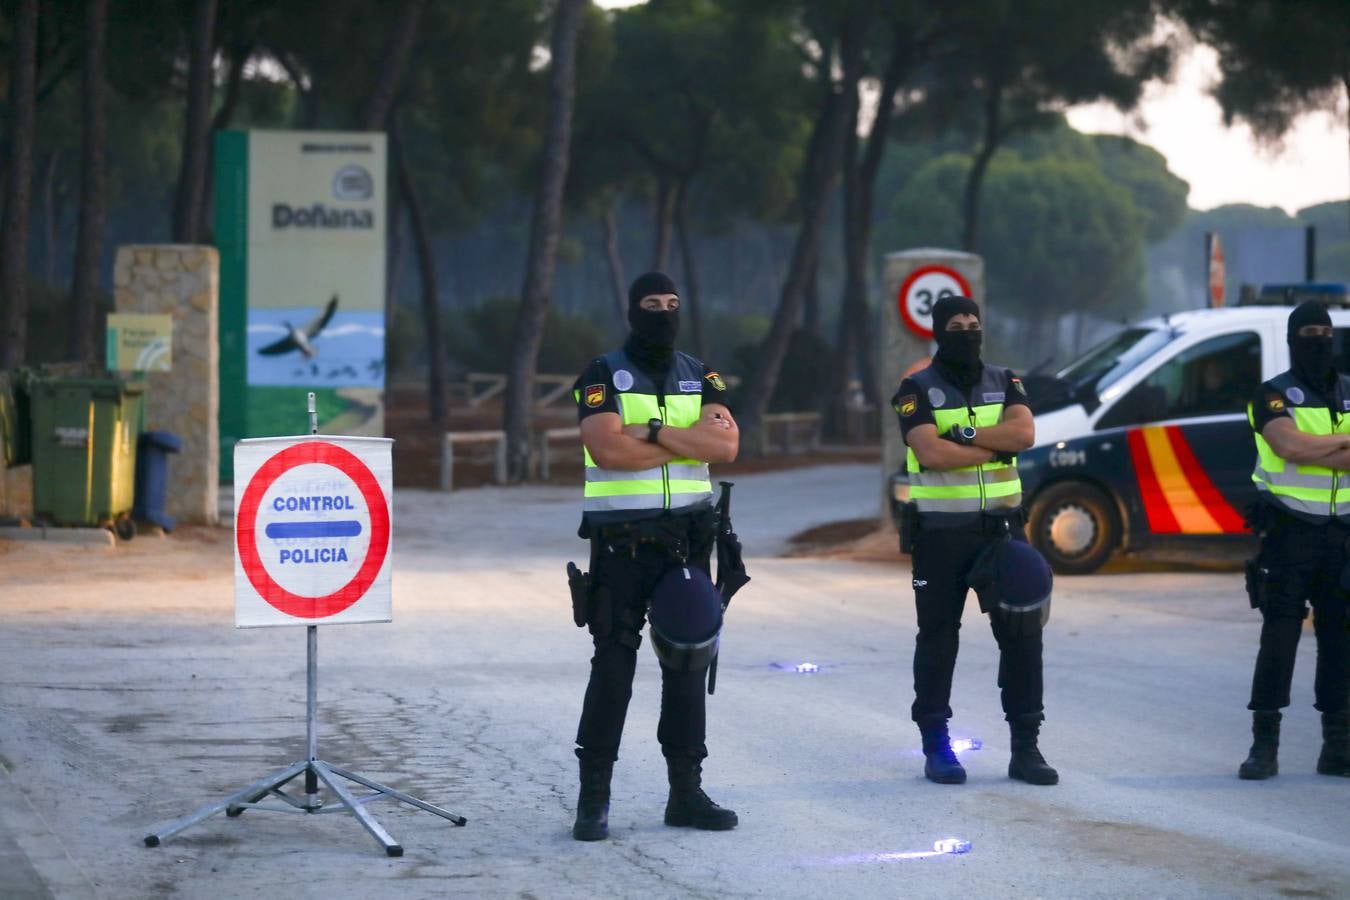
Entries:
{"x":127,"y":698}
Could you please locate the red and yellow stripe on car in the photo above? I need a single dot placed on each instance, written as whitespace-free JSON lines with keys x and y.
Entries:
{"x":1179,"y":498}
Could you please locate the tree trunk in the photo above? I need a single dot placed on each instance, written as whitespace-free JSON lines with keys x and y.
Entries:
{"x":393,"y":257}
{"x":234,"y":79}
{"x":691,"y":304}
{"x":191,"y":196}
{"x":426,"y":267}
{"x":545,"y":230}
{"x":857,"y":349}
{"x":393,"y":62}
{"x":811,"y":298}
{"x":14,"y":253}
{"x":819,"y":170}
{"x":993,"y":107}
{"x":617,"y":280}
{"x":663,"y":216}
{"x":93,"y":178}
{"x":51,"y":216}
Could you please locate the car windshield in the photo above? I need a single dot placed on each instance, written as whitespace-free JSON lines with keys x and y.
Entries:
{"x":1108,"y":362}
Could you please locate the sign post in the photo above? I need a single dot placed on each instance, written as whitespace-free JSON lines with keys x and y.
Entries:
{"x":313,"y":544}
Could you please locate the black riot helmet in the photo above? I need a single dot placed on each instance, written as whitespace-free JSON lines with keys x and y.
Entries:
{"x":1014,"y":583}
{"x":686,"y":618}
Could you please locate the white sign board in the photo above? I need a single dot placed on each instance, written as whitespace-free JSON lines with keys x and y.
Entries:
{"x":313,"y":530}
{"x":924,"y":287}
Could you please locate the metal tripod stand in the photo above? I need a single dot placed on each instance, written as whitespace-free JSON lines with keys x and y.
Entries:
{"x":314,"y":770}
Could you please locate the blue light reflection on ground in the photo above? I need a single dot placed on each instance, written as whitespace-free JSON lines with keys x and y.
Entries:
{"x":944,"y":847}
{"x":802,"y":668}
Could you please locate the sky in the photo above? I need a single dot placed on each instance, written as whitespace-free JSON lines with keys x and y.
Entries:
{"x":1222,"y":165}
{"x":1226,"y":165}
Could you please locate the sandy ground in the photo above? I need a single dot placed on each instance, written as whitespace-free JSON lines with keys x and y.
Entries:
{"x":127,"y":698}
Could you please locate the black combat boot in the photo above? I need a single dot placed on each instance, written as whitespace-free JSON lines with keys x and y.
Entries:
{"x":940,"y":763}
{"x":1335,"y":758}
{"x":1027,"y":764}
{"x":1261,"y":762}
{"x":688,"y":806}
{"x":593,"y":801}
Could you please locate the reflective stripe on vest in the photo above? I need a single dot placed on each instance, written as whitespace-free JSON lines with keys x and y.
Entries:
{"x":967,"y":491}
{"x":679,"y":484}
{"x":1314,"y":492}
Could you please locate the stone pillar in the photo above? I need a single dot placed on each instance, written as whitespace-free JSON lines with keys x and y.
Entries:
{"x":183,"y":281}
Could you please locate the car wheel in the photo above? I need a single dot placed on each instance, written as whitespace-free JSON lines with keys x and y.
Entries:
{"x":1075,"y":527}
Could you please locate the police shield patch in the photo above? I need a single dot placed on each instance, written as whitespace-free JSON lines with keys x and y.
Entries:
{"x":595,"y":394}
{"x":907,"y":405}
{"x":1018,"y":386}
{"x":1275,"y":403}
{"x":716,"y":381}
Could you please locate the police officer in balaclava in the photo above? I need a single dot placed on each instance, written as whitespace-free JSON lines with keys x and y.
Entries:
{"x":1301,"y":422}
{"x":652,"y":419}
{"x":963,"y":422}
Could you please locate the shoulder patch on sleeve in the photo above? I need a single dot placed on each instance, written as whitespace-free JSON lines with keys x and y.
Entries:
{"x":1017,"y":385}
{"x":595,"y":394}
{"x":716,"y":381}
{"x":907,"y":405}
{"x":1274,"y":403}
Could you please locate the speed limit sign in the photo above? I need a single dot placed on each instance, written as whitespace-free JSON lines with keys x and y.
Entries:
{"x":925,"y":286}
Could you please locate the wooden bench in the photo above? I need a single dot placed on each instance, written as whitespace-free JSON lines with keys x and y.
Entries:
{"x":496,"y":437}
{"x":800,"y":432}
{"x":483,"y":386}
{"x":545,"y":454}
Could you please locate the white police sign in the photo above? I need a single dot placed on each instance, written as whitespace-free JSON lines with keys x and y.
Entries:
{"x":313,"y":521}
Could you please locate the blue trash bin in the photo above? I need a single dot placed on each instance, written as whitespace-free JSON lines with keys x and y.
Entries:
{"x":152,"y":476}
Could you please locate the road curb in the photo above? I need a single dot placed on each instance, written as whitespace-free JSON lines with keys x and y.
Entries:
{"x":99,"y":537}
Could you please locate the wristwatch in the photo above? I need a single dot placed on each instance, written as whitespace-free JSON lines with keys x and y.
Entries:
{"x":653,"y":429}
{"x":963,"y":434}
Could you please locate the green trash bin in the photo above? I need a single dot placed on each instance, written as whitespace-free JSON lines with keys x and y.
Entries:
{"x":84,"y":434}
{"x":15,"y":445}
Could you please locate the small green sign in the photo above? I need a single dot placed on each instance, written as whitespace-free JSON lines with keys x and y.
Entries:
{"x":139,"y":342}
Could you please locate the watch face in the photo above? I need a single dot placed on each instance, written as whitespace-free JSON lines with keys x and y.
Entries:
{"x":968,"y":432}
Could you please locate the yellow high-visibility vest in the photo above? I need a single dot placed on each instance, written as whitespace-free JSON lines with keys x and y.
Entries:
{"x":960,"y":495}
{"x":1313,"y":493}
{"x":681,"y":484}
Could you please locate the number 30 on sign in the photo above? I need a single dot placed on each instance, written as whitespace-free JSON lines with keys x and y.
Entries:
{"x":925,"y":286}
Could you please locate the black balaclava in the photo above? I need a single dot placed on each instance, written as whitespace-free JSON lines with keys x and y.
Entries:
{"x":1311,"y":357}
{"x":958,"y":353}
{"x":652,"y":342}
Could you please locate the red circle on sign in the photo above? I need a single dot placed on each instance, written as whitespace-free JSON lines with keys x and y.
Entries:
{"x":350,"y":465}
{"x":910,"y":322}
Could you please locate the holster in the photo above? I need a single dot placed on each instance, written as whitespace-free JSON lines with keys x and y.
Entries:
{"x":591,"y":602}
{"x":579,"y":584}
{"x":909,"y":526}
{"x":1258,"y":582}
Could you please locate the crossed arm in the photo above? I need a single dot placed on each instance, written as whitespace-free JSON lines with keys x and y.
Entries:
{"x":714,"y":438}
{"x":1300,"y":448}
{"x":1015,"y":431}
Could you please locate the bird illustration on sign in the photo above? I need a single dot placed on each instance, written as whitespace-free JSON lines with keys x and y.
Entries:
{"x":301,"y":338}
